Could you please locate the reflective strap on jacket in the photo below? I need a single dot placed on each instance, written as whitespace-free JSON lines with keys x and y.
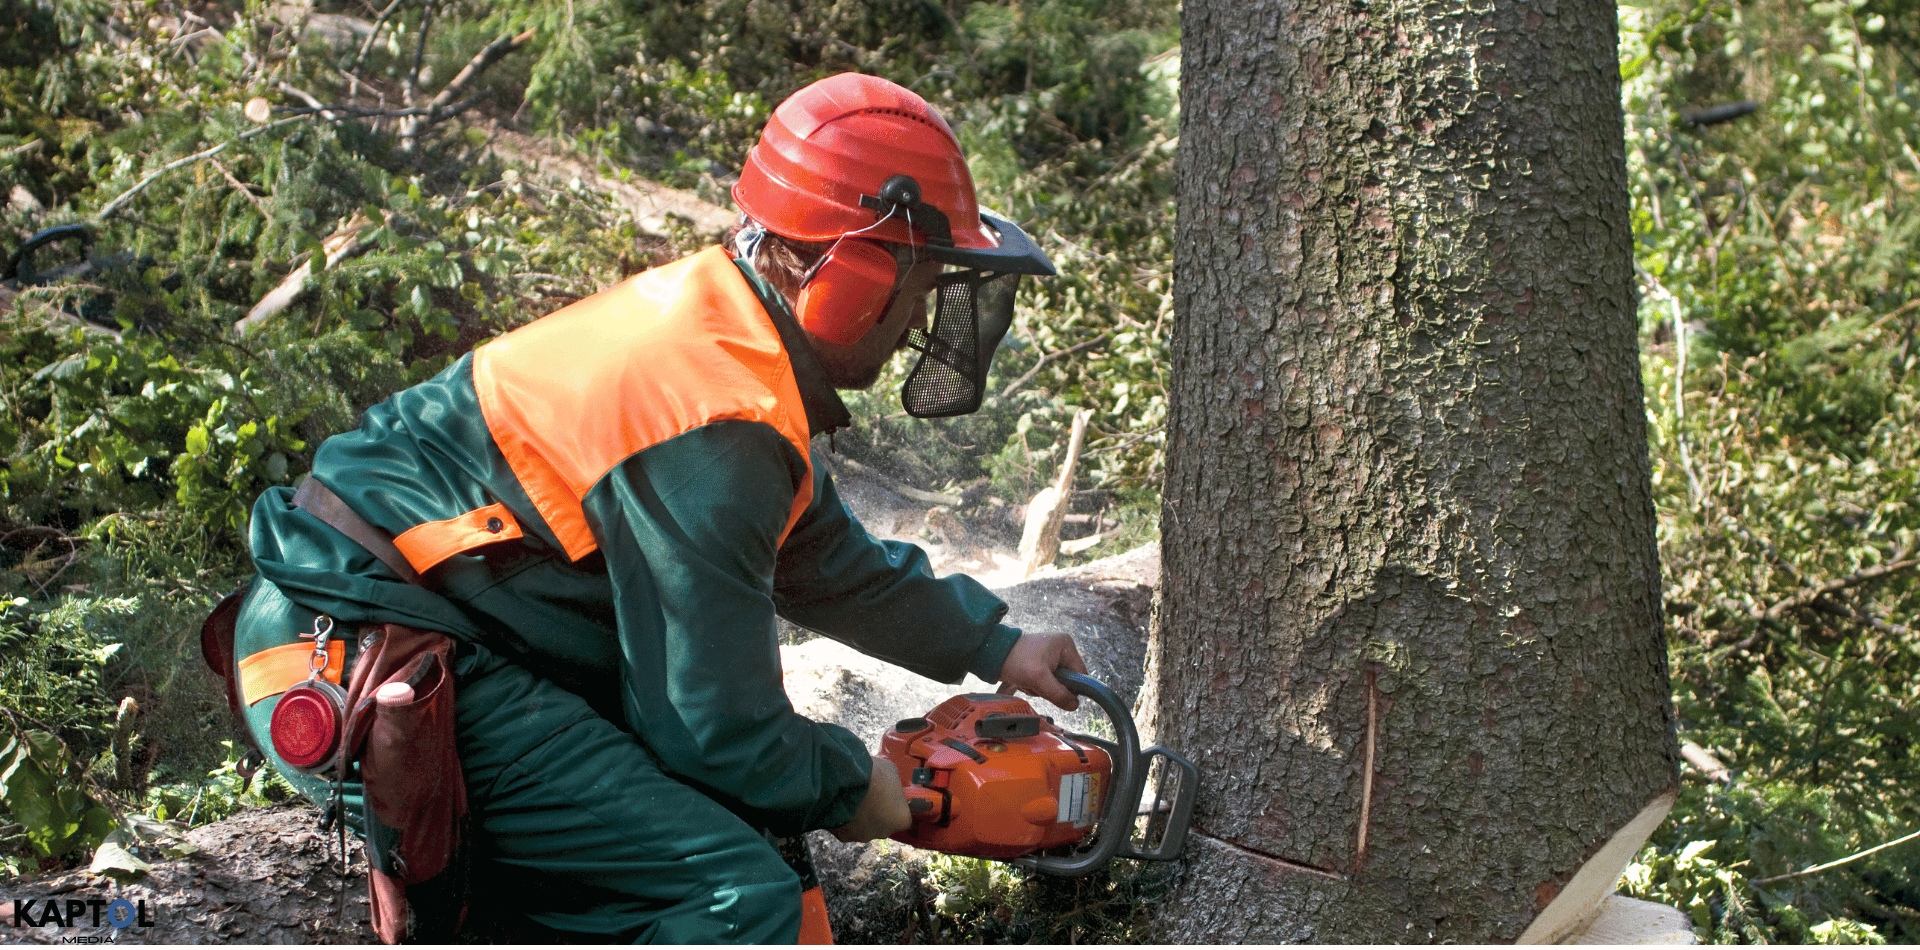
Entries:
{"x":425,"y":545}
{"x":275,"y":670}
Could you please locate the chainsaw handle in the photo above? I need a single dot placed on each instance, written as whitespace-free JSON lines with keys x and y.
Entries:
{"x":1116,"y":819}
{"x":22,"y":260}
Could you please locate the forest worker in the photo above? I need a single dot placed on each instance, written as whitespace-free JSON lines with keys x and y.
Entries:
{"x":607,"y":508}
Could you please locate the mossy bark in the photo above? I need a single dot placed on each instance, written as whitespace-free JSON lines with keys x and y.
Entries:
{"x":1410,"y":621}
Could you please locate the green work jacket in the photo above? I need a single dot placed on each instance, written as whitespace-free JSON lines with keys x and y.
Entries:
{"x":621,"y":497}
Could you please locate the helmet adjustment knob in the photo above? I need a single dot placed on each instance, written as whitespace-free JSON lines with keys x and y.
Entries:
{"x":900,"y":190}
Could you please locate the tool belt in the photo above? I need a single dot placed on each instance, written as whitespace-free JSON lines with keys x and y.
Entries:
{"x":400,"y":740}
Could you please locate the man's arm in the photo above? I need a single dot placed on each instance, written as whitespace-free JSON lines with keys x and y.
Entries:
{"x":882,"y":598}
{"x":690,"y":529}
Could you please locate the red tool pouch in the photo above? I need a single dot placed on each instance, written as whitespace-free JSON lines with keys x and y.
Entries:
{"x":416,"y":799}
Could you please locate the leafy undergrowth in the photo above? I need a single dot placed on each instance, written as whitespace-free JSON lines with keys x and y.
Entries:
{"x":1779,"y":312}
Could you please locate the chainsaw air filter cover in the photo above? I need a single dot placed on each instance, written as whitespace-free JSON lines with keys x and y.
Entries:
{"x":986,"y":776}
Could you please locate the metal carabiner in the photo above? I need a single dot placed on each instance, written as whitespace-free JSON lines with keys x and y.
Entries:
{"x":322,"y":632}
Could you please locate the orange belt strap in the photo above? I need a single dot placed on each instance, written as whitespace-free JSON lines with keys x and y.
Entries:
{"x":275,"y":670}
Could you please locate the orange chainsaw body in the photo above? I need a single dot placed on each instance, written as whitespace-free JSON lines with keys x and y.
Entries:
{"x":986,"y":776}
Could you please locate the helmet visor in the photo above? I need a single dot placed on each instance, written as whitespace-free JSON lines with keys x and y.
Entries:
{"x":1012,"y":252}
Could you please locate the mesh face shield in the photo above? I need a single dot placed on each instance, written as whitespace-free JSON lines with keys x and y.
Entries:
{"x":972,"y":311}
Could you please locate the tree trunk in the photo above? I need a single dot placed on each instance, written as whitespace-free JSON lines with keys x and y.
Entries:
{"x":1410,"y":624}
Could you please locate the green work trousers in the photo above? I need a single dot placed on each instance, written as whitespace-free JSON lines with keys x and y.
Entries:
{"x":574,"y":823}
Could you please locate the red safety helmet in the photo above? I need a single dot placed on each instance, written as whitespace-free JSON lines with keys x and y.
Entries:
{"x":864,"y":163}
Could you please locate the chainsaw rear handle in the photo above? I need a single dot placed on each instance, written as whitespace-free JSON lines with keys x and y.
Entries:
{"x":20,"y":263}
{"x":1116,"y":819}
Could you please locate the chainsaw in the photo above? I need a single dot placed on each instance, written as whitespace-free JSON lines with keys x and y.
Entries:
{"x":987,"y":777}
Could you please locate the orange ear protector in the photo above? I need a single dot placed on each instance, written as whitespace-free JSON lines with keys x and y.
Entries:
{"x":847,"y":292}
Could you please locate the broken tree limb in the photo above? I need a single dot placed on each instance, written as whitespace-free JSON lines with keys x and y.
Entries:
{"x":1040,"y":543}
{"x":442,"y":104}
{"x":344,"y":242}
{"x":1088,"y":543}
{"x":1708,"y":764}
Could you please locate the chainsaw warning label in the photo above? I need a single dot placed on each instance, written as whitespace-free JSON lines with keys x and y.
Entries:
{"x":1079,"y":798}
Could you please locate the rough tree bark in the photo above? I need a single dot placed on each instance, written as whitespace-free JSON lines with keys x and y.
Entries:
{"x":1410,"y":624}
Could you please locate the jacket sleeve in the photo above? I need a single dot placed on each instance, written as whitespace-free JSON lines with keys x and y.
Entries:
{"x":690,"y":529}
{"x":882,"y":598}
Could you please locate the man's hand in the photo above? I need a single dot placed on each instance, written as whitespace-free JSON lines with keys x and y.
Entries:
{"x":883,"y":811}
{"x":1030,"y":665}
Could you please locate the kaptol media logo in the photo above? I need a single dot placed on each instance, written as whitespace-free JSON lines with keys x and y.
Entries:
{"x":73,"y":912}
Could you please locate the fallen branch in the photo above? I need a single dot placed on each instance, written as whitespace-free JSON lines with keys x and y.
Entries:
{"x":1708,"y":764}
{"x":1088,"y":543}
{"x":344,"y":242}
{"x":1857,"y":578}
{"x":326,"y":113}
{"x":441,"y":105}
{"x":117,"y":203}
{"x":1830,"y":865}
{"x":241,"y":187}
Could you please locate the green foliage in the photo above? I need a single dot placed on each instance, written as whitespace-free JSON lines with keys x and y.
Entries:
{"x":54,"y":663}
{"x":1780,"y":314}
{"x":45,"y":793}
{"x":978,"y":901}
{"x":55,"y":711}
{"x":139,"y":419}
{"x":218,"y":794}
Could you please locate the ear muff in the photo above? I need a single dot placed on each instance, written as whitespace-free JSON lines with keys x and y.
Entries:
{"x":848,"y":292}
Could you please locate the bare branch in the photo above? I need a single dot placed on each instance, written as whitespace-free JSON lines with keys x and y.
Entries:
{"x":1807,"y":597}
{"x":240,"y":187}
{"x":329,"y":114}
{"x":1834,"y":864}
{"x":419,"y":53}
{"x":1014,"y":386}
{"x":440,"y":106}
{"x":116,"y":204}
{"x":379,"y":23}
